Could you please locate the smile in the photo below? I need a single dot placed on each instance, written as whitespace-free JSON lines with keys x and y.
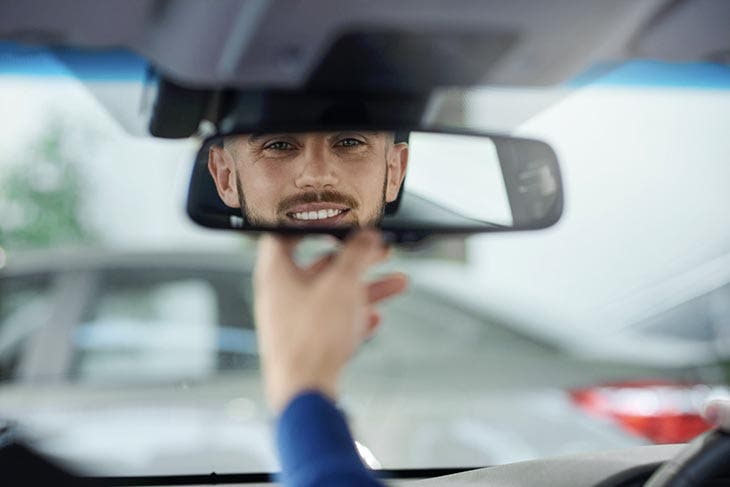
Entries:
{"x":317,"y":215}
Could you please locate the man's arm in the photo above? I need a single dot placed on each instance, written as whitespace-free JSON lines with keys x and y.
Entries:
{"x":309,"y":323}
{"x":315,"y":445}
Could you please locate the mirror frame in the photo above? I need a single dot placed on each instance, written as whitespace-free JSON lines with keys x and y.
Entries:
{"x":216,"y":215}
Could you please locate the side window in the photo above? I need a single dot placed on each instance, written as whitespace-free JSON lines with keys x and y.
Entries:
{"x":163,"y":326}
{"x":24,"y":309}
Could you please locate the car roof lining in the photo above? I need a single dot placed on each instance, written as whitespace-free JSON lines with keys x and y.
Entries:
{"x":248,"y":50}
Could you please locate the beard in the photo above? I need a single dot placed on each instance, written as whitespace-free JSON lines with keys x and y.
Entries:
{"x":254,"y":218}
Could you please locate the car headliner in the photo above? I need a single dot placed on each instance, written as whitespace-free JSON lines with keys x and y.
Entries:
{"x":247,"y":48}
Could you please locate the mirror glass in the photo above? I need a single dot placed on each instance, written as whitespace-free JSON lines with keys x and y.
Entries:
{"x":473,"y":188}
{"x":404,"y":180}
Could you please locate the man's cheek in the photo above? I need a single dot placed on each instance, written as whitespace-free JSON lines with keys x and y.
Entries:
{"x":264,"y":196}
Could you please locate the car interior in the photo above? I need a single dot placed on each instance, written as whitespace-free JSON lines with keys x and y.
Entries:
{"x":226,"y":74}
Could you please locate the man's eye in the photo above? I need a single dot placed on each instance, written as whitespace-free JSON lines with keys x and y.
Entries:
{"x":349,"y":142}
{"x":279,"y":145}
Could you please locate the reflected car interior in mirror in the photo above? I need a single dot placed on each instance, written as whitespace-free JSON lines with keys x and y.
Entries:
{"x":410,"y":183}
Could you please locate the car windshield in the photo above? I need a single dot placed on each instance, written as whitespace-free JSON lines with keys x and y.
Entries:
{"x":127,"y":344}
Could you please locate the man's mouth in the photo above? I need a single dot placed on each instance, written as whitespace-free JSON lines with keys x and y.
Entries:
{"x":318,"y":212}
{"x":317,"y":215}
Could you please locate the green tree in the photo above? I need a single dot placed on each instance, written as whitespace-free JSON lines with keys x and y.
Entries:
{"x":41,"y":196}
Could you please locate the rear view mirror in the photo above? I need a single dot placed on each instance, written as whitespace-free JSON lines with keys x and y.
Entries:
{"x":409,"y":183}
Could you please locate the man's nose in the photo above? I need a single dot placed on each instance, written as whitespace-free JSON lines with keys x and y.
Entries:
{"x":317,"y":170}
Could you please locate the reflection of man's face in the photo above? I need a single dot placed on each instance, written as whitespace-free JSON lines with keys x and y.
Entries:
{"x":309,"y":179}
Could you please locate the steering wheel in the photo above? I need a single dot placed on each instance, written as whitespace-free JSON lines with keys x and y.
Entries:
{"x":702,"y":459}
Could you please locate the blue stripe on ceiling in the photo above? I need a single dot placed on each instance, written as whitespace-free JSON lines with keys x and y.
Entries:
{"x":87,"y":65}
{"x":656,"y":74}
{"x":123,"y":65}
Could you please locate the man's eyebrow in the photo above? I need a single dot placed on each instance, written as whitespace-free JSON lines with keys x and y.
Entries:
{"x":364,"y":132}
{"x":256,"y":137}
{"x":253,"y":138}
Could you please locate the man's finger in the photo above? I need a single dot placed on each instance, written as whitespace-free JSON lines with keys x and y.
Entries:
{"x":717,"y":412}
{"x":386,"y":287}
{"x":374,"y":319}
{"x":361,"y":251}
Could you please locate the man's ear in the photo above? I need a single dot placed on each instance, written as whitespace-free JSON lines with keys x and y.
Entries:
{"x":221,"y":168}
{"x":397,"y":165}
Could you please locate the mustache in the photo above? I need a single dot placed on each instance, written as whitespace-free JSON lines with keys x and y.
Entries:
{"x":328,"y":196}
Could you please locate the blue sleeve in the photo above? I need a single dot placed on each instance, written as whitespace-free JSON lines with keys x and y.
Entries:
{"x":315,"y":446}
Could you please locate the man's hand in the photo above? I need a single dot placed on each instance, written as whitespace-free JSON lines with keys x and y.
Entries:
{"x":310,"y":321}
{"x":717,"y":412}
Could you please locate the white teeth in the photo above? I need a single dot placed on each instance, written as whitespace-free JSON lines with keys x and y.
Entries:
{"x":316,"y":215}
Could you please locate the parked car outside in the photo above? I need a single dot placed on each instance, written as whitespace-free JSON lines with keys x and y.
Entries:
{"x":142,"y":363}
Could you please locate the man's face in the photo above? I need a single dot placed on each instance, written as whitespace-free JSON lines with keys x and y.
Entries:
{"x":309,"y":179}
